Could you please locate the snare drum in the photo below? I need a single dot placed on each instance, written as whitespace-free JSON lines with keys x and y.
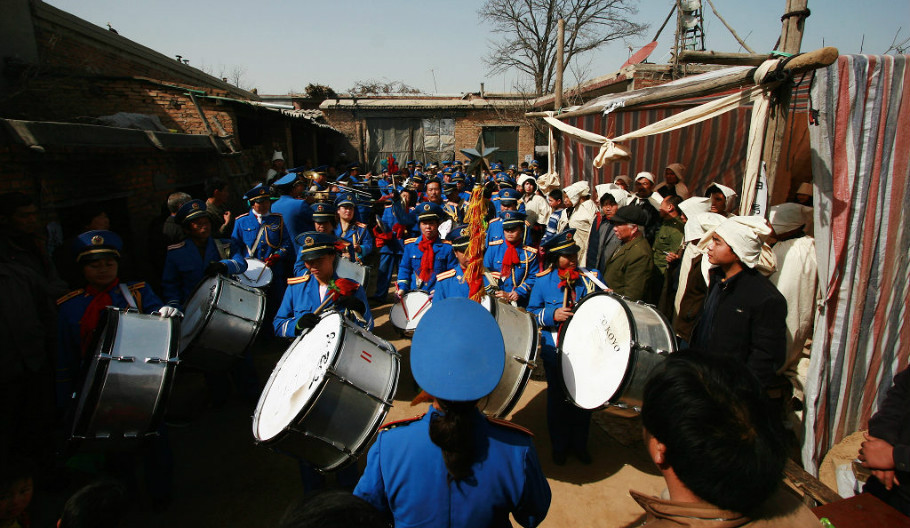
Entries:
{"x":407,"y":312}
{"x":257,"y":275}
{"x":608,"y":349}
{"x":129,"y":378}
{"x":328,"y":394}
{"x":221,"y":320}
{"x":519,"y":331}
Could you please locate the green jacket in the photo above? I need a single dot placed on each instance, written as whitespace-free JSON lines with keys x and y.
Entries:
{"x":628,"y":272}
{"x":668,"y":240}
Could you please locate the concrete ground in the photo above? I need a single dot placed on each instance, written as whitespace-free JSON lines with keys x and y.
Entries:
{"x":223,"y":479}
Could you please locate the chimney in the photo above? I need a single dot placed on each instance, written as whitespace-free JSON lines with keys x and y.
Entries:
{"x":481,"y":89}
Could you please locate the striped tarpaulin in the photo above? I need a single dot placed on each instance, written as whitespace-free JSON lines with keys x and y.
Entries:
{"x":714,"y":150}
{"x":861,"y":169}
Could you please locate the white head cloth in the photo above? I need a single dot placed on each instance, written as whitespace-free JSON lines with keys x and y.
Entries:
{"x":277,"y":155}
{"x":646,"y":175}
{"x":701,"y":224}
{"x":695,"y":206}
{"x":786,"y":217}
{"x":745,"y":235}
{"x":619,"y":194}
{"x":523,"y":178}
{"x":576,"y":190}
{"x":624,"y":178}
{"x":729,"y":194}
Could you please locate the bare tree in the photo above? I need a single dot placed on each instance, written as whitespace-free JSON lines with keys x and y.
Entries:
{"x":384,"y":87}
{"x":528,"y":31}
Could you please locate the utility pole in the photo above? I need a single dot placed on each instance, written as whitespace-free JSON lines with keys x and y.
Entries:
{"x":560,"y":53}
{"x":791,"y":38}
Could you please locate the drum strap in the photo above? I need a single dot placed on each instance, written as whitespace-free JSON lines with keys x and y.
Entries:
{"x":128,"y":295}
{"x":252,"y":250}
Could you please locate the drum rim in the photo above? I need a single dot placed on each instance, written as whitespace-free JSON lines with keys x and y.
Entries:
{"x":268,"y":272}
{"x":208,"y":310}
{"x":522,"y":384}
{"x":633,"y":336}
{"x":307,"y":407}
{"x":211,"y":309}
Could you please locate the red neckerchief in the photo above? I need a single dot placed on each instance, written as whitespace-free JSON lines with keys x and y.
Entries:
{"x":568,"y":276}
{"x":509,"y":259}
{"x":101,"y":299}
{"x":426,"y":262}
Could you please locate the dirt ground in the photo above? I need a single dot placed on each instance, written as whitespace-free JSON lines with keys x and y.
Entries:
{"x":223,"y":479}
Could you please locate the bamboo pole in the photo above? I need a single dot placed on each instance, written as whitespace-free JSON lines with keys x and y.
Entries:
{"x":806,"y":62}
{"x":560,"y":66}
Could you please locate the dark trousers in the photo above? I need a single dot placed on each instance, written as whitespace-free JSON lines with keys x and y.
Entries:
{"x":388,"y":264}
{"x":567,"y":424}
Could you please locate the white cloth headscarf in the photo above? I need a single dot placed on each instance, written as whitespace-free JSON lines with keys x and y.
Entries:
{"x":646,"y":175}
{"x":745,"y":235}
{"x":621,"y":196}
{"x":729,"y":194}
{"x":577,"y":190}
{"x":695,"y":206}
{"x":786,"y":217}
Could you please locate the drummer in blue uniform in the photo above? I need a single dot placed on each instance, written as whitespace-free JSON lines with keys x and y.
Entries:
{"x":455,"y":206}
{"x":198,"y":256}
{"x":425,"y":256}
{"x":80,"y":311}
{"x":512,"y":263}
{"x":452,"y":283}
{"x":556,"y":291}
{"x":309,"y":290}
{"x":390,"y":234}
{"x":297,"y":213}
{"x":263,"y":235}
{"x":325,"y":218}
{"x":508,"y":201}
{"x":357,"y":239}
{"x":453,"y":467}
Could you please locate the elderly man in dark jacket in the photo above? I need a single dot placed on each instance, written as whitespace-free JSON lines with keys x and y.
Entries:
{"x":628,"y":272}
{"x":744,"y":314}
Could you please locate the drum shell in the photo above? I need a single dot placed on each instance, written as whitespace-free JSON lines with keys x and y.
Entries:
{"x":338,"y":423}
{"x":233,"y":314}
{"x":125,"y":398}
{"x":651,"y":340}
{"x":520,"y":334}
{"x":354,"y":271}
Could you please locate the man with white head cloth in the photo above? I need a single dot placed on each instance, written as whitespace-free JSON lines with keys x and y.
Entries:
{"x":583,"y":212}
{"x":602,"y":241}
{"x":796,"y":278}
{"x":673,"y":184}
{"x":722,"y":198}
{"x":744,"y":315}
{"x":648,"y":201}
{"x":693,"y":274}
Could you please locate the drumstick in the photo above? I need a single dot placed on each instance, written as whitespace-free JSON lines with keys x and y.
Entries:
{"x":356,"y":256}
{"x":407,"y":316}
{"x":261,"y":272}
{"x":422,"y":307}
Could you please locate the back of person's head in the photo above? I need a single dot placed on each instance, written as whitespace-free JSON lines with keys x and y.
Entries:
{"x":332,"y":509}
{"x":214,"y":184}
{"x":97,"y":505}
{"x":11,"y":201}
{"x":176,"y":200}
{"x":723,"y":438}
{"x":453,"y":431}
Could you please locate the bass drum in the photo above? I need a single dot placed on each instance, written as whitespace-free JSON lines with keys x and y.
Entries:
{"x":328,"y":394}
{"x":407,"y":312}
{"x":608,"y":349}
{"x":129,"y":378}
{"x":221,"y":320}
{"x":257,"y":275}
{"x":519,"y":331}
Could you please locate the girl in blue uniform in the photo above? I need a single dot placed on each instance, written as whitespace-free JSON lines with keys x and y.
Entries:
{"x":557,"y":289}
{"x":453,"y":467}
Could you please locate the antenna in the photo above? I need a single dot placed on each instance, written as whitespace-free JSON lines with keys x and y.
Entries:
{"x":435,"y":89}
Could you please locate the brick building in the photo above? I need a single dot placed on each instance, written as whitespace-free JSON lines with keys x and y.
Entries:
{"x":431,"y":128}
{"x":88,"y":116}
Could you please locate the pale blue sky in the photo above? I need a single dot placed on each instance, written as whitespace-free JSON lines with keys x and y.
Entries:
{"x":284,"y":45}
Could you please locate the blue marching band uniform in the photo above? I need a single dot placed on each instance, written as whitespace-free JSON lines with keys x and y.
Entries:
{"x":443,"y":257}
{"x":523,"y":274}
{"x":357,"y":232}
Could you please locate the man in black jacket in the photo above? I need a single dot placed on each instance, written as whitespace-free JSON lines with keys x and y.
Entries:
{"x":886,"y":450}
{"x":744,"y":314}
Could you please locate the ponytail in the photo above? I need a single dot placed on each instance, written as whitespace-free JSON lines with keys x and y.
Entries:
{"x":453,"y":432}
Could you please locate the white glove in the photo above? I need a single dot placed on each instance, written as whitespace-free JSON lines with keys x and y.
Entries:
{"x":169,"y":311}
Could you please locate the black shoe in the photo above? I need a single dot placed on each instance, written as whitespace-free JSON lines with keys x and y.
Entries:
{"x":584,"y":457}
{"x":559,"y":458}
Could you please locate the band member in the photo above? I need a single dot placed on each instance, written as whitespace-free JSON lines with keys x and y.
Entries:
{"x":80,"y":311}
{"x":397,"y":220}
{"x":355,"y":235}
{"x":319,"y":286}
{"x":199,"y":255}
{"x":297,"y":213}
{"x":508,"y":201}
{"x":452,"y":283}
{"x":512,"y":264}
{"x":455,"y":205}
{"x":557,"y":290}
{"x":453,"y":466}
{"x":262,"y":235}
{"x":425,"y":256}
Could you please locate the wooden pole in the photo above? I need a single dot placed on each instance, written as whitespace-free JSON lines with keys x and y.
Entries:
{"x":806,"y":62}
{"x":560,"y":54}
{"x":741,"y":41}
{"x":791,"y":38}
{"x":729,"y":59}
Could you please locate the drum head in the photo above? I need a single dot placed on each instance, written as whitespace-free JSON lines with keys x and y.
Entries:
{"x":415,"y":304}
{"x":256,"y":274}
{"x":297,"y":378}
{"x":351,"y":270}
{"x":197,"y":309}
{"x":594,"y":351}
